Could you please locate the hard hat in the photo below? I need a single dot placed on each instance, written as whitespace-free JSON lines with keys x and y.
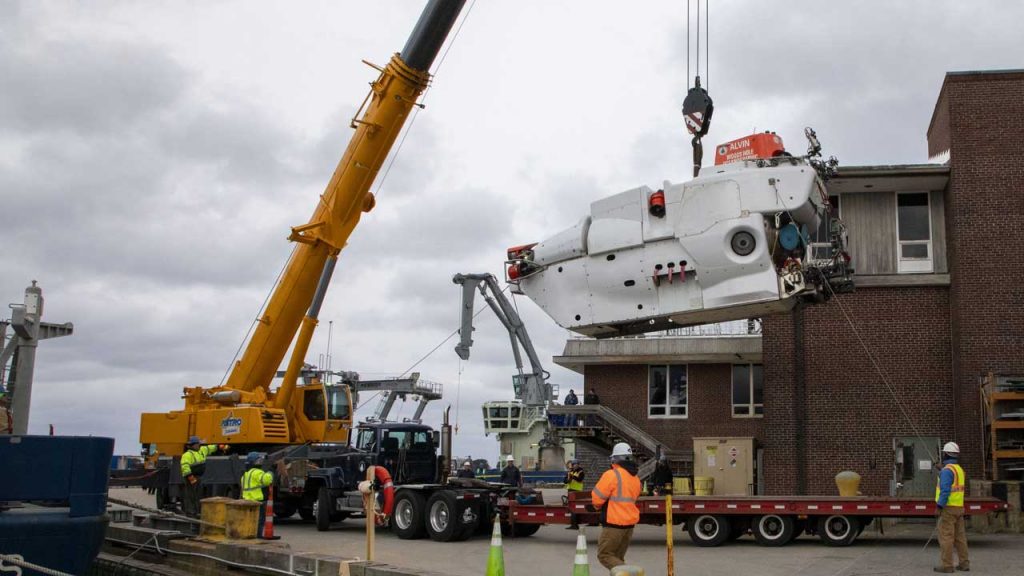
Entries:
{"x":467,"y":463}
{"x":951,"y":448}
{"x":252,"y":458}
{"x":194,"y":440}
{"x":509,"y":458}
{"x":621,"y":449}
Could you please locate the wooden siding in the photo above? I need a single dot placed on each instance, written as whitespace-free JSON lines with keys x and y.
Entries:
{"x":871,"y":222}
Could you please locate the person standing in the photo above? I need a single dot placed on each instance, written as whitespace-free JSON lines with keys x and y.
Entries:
{"x":574,"y":484}
{"x":615,"y":495}
{"x":949,"y":500}
{"x":193,"y":465}
{"x":510,"y":473}
{"x":661,"y":478}
{"x":467,"y":470}
{"x":255,"y":482}
{"x":590,"y":397}
{"x":571,"y":400}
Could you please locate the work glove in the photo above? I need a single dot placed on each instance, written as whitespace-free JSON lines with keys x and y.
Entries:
{"x":591,"y":508}
{"x":192,"y":480}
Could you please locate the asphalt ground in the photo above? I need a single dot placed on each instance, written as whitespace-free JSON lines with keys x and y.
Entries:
{"x":905,"y":550}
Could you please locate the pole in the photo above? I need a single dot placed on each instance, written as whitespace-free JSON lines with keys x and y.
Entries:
{"x":371,"y":516}
{"x":671,"y":571}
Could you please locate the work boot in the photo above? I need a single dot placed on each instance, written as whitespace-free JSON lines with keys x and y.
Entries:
{"x":943,"y":570}
{"x":964,"y":567}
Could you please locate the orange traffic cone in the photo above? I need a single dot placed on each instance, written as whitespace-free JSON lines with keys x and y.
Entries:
{"x":268,"y":524}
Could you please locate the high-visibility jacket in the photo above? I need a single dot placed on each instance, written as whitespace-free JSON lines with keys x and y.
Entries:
{"x":253,"y":482}
{"x":617,"y":491}
{"x":574,"y":480}
{"x":194,"y":461}
{"x":955,"y":496}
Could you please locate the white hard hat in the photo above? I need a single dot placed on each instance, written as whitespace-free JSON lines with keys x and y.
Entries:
{"x":951,"y":448}
{"x":621,"y":449}
{"x":467,"y":463}
{"x":509,"y":458}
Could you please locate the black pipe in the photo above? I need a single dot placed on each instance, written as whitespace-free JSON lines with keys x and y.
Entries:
{"x":427,"y":37}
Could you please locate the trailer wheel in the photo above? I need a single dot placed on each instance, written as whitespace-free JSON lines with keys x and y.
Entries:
{"x":322,"y":509}
{"x":838,"y":530}
{"x":773,"y":530}
{"x":708,"y":530}
{"x":444,"y":518}
{"x":407,"y":520}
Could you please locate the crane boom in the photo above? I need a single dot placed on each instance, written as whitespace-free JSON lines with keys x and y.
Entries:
{"x":534,"y":388}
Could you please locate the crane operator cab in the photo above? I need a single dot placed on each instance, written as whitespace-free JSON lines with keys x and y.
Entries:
{"x":732,"y":243}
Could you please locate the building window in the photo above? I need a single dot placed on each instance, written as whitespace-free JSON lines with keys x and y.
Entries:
{"x":747,"y":391}
{"x":821,"y":238}
{"x":666,"y":391}
{"x":914,"y":230}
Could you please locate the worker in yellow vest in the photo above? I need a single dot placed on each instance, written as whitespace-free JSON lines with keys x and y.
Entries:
{"x":254,"y":483}
{"x":193,"y":465}
{"x":574,"y":483}
{"x":949,"y":498}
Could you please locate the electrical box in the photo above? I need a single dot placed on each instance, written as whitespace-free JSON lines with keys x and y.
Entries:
{"x":730,"y":461}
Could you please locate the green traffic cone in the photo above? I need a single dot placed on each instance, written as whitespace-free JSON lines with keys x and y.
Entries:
{"x":495,"y":559}
{"x":581,"y":565}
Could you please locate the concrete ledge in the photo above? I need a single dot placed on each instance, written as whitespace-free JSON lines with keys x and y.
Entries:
{"x":692,"y":349}
{"x":898,"y":280}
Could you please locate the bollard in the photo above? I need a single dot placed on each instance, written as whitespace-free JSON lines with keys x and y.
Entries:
{"x":495,"y":558}
{"x":581,"y":563}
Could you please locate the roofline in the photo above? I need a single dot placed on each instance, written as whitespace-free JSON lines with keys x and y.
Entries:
{"x":889,"y":170}
{"x":966,"y":76}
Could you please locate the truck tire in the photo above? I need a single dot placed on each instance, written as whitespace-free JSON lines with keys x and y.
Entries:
{"x":773,"y":529}
{"x":408,"y":521}
{"x":708,"y":530}
{"x":444,"y":514}
{"x":838,"y":530}
{"x":322,"y":509}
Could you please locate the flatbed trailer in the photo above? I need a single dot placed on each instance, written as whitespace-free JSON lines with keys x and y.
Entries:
{"x":773,"y":520}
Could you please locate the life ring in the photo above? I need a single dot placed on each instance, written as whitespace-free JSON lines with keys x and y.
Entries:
{"x":387,"y":490}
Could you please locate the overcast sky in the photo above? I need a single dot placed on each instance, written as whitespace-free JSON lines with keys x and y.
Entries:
{"x":154,"y":155}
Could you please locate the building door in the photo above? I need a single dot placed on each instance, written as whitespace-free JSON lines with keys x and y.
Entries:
{"x":915,"y":466}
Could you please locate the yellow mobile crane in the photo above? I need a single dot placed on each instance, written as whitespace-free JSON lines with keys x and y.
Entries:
{"x":244,"y":410}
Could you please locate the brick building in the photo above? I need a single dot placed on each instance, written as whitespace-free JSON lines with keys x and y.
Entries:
{"x":939,"y":254}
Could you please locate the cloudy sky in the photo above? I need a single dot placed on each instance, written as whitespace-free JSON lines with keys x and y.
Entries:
{"x":154,"y":155}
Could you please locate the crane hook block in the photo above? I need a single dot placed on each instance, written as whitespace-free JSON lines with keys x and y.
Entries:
{"x":697,"y":110}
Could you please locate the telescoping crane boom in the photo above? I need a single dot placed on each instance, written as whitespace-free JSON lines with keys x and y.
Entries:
{"x":244,"y":410}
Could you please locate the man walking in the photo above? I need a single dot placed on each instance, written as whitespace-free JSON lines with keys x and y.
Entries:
{"x":254,"y":483}
{"x":949,"y":498}
{"x":615,"y":495}
{"x":193,"y":465}
{"x":467,"y":470}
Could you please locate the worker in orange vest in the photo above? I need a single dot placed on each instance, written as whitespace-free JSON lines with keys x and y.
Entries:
{"x":615,"y":495}
{"x":949,"y":499}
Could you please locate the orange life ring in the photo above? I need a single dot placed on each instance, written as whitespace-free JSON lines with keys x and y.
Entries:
{"x":387,"y":489}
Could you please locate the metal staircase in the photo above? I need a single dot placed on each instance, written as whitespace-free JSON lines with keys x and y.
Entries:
{"x":604,"y":426}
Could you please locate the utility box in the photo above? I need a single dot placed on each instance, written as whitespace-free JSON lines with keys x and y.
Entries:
{"x":730,"y":461}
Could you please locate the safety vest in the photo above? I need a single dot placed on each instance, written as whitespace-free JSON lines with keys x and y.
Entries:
{"x":575,"y":483}
{"x":618,"y":492}
{"x":194,"y":461}
{"x":956,"y":491}
{"x":253,"y":482}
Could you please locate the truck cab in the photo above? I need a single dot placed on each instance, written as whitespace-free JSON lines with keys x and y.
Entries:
{"x":407,"y":450}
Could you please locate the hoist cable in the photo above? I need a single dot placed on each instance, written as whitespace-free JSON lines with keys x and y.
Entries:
{"x":698,"y":38}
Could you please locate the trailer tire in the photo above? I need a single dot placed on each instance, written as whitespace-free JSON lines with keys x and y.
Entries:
{"x":443,"y":518}
{"x":408,"y":521}
{"x":773,"y":529}
{"x":709,"y":530}
{"x":322,"y":509}
{"x":838,"y":530}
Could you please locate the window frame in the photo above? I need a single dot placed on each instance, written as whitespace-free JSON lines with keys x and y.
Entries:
{"x":924,"y":265}
{"x":668,"y":406}
{"x":751,"y":405}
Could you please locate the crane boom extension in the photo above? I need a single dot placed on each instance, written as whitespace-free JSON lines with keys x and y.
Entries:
{"x":534,"y":389}
{"x":244,"y":410}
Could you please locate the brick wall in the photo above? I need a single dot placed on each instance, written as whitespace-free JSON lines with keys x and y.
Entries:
{"x":850,"y":417}
{"x":980,"y":118}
